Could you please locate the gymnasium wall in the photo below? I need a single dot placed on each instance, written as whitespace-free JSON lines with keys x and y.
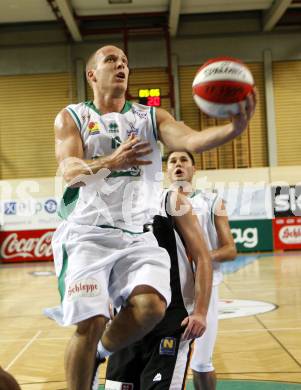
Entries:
{"x":43,"y":65}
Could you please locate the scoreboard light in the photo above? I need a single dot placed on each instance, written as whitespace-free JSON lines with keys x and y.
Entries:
{"x":150,"y":97}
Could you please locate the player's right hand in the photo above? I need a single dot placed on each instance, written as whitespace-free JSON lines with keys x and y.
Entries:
{"x":129,"y":154}
{"x":195,"y":326}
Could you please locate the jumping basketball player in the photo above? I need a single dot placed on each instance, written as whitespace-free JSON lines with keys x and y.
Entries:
{"x":107,"y":150}
{"x":212,"y":216}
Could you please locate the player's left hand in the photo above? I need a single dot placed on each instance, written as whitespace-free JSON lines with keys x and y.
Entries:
{"x":241,"y":120}
{"x":195,"y":326}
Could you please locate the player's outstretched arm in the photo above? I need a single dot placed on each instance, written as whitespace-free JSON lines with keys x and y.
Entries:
{"x":177,"y":136}
{"x":191,"y":231}
{"x":227,"y":249}
{"x":78,"y":171}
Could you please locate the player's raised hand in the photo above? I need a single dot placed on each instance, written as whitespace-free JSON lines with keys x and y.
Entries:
{"x":195,"y":326}
{"x":129,"y":154}
{"x":241,"y":120}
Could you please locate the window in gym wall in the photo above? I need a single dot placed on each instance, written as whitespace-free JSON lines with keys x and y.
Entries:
{"x":287,"y":92}
{"x":248,"y":150}
{"x":28,"y":105}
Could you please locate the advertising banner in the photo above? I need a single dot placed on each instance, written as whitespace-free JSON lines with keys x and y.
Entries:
{"x":29,"y":214}
{"x":286,"y":201}
{"x":247,"y":202}
{"x":26,"y":245}
{"x":252,"y":235}
{"x":287,"y":233}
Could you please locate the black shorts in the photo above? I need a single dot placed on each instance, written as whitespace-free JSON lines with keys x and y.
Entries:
{"x":151,"y":363}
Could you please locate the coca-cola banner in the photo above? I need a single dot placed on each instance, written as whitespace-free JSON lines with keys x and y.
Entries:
{"x":287,"y":233}
{"x":26,"y":245}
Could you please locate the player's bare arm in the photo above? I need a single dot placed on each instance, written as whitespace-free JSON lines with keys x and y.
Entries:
{"x":178,"y":136}
{"x":70,"y":154}
{"x":191,"y":231}
{"x":227,"y":249}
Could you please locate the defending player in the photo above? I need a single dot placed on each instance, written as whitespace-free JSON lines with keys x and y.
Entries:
{"x":212,"y":216}
{"x":107,"y":151}
{"x":159,"y":361}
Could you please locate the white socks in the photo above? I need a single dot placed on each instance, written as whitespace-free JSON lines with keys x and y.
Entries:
{"x":103,"y":353}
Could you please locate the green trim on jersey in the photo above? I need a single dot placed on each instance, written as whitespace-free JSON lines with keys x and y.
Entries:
{"x":125,"y":173}
{"x":61,"y":279}
{"x":114,"y":227}
{"x":213,"y":209}
{"x":194,"y":193}
{"x":127,"y":106}
{"x":68,"y":202}
{"x":74,"y":116}
{"x":154,"y":123}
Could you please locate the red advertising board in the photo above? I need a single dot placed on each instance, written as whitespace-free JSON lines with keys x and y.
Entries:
{"x":26,"y":245}
{"x":287,"y":233}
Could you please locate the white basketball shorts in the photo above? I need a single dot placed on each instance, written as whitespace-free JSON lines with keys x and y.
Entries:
{"x":95,"y":265}
{"x":201,"y":360}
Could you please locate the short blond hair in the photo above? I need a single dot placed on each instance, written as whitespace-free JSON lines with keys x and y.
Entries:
{"x":91,"y":64}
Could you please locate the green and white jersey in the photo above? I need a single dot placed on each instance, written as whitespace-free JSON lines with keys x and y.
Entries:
{"x":124,"y":199}
{"x":204,"y":204}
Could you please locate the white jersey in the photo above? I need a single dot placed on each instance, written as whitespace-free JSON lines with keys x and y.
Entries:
{"x":204,"y":205}
{"x":124,"y":199}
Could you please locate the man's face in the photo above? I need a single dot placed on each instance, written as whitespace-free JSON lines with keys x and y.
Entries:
{"x":180,"y":167}
{"x":111,"y":70}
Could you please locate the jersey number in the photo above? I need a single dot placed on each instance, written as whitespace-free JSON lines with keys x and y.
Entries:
{"x":116,"y":142}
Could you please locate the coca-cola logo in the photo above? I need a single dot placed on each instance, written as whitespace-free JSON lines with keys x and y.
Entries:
{"x":83,"y":288}
{"x":36,"y":247}
{"x":290,"y":234}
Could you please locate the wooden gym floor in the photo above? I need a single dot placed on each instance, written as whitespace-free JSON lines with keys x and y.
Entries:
{"x":265,"y":347}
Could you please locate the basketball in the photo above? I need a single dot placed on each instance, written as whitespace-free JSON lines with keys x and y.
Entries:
{"x":220,"y":84}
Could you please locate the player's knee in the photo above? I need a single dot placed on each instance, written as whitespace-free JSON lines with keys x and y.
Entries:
{"x":92,"y":328}
{"x":150,"y":307}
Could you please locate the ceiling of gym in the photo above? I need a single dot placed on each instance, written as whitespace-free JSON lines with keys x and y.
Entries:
{"x":84,"y":18}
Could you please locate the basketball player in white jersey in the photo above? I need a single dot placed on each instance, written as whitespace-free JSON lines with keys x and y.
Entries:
{"x":211,"y":213}
{"x":108,"y":154}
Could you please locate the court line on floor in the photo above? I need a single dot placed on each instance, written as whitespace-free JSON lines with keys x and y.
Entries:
{"x":258,"y":330}
{"x":33,"y":339}
{"x":40,"y":339}
{"x":279,"y":342}
{"x":220,"y":331}
{"x":258,"y":372}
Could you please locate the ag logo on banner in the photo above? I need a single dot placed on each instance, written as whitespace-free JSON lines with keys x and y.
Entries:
{"x":252,"y":235}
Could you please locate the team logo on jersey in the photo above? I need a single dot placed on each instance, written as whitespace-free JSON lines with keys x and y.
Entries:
{"x":93,"y":128}
{"x":168,"y":346}
{"x":113,"y":128}
{"x":132,"y":130}
{"x":141,"y":114}
{"x":86,"y":117}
